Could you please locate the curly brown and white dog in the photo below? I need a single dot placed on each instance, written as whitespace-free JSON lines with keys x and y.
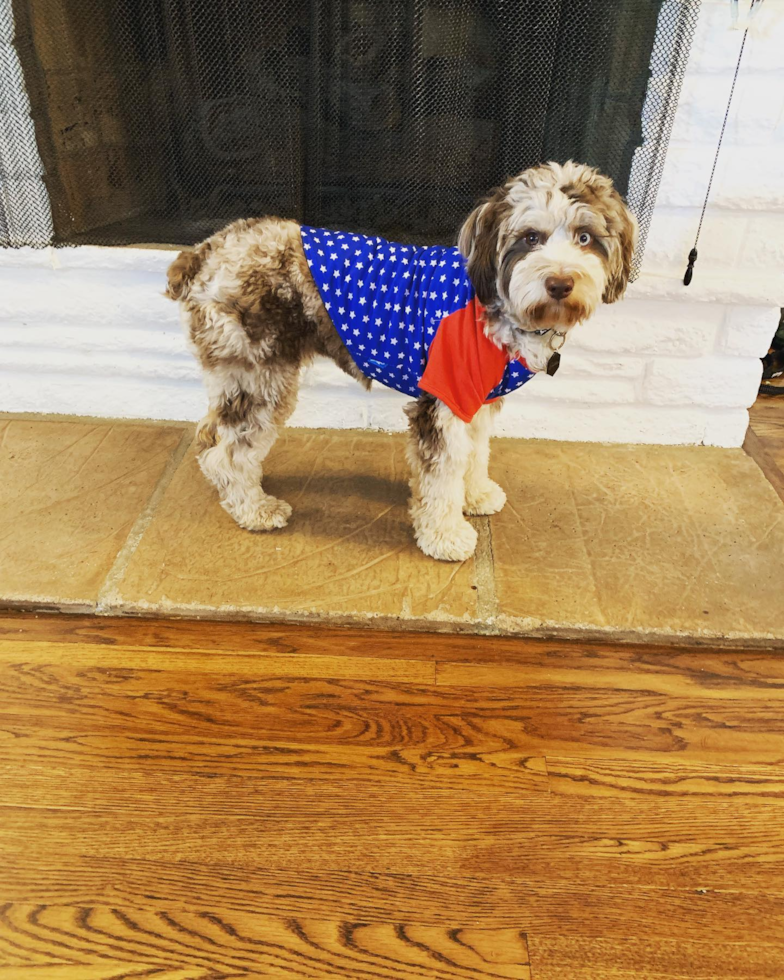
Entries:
{"x":535,"y":258}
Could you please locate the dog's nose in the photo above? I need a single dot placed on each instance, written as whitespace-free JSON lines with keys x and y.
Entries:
{"x":559,"y":287}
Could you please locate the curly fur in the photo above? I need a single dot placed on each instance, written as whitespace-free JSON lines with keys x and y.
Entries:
{"x":253,"y":316}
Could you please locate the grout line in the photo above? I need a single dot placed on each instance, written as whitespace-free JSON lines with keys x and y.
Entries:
{"x":115,"y":574}
{"x":484,"y":573}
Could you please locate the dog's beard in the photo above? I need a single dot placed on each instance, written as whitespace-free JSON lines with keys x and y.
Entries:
{"x":527,"y":296}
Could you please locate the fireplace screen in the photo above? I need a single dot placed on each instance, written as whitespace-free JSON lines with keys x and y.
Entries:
{"x":161,"y":120}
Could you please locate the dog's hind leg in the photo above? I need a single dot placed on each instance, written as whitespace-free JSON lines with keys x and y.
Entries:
{"x":246,"y":411}
{"x":438,"y":451}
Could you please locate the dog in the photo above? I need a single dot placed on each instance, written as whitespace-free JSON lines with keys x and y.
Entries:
{"x":456,"y":327}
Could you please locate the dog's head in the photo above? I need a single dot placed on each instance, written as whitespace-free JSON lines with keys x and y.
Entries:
{"x":549,"y":245}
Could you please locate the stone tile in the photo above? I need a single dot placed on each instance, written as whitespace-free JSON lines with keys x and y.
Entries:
{"x":348,"y":551}
{"x":69,"y":494}
{"x":637,"y":538}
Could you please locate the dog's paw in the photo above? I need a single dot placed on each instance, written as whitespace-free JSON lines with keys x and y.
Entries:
{"x":453,"y":543}
{"x":271,"y":513}
{"x":481,"y":502}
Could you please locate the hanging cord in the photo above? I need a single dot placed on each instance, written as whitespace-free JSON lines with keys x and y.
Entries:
{"x":693,"y":253}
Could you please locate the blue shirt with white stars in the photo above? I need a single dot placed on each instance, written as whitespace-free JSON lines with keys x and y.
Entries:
{"x":388,"y":300}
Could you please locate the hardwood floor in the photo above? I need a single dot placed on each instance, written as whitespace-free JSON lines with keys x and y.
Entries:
{"x":765,"y":438}
{"x":194,"y":801}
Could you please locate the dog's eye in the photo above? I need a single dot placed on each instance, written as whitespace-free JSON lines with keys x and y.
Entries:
{"x":532,"y":238}
{"x":584,"y":238}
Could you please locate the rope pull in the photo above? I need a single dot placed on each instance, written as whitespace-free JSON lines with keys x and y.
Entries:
{"x":690,"y":267}
{"x":693,"y":253}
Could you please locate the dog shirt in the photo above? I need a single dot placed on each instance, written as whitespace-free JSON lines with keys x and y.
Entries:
{"x":410,"y":318}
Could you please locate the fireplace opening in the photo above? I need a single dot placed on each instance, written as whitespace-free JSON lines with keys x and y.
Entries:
{"x":158,"y":121}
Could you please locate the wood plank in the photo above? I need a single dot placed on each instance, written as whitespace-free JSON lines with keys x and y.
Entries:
{"x":569,"y":907}
{"x":641,"y":959}
{"x":253,"y":639}
{"x":768,"y":454}
{"x":709,"y":844}
{"x":614,"y":778}
{"x":205,"y":944}
{"x":281,"y":665}
{"x":714,"y":674}
{"x":212,"y":777}
{"x":670,"y":717}
{"x":624,"y":802}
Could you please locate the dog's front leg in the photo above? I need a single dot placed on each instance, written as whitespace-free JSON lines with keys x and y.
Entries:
{"x":438,"y":450}
{"x":483,"y":496}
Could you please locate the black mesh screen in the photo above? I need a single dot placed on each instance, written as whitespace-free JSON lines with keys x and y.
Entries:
{"x":161,"y":120}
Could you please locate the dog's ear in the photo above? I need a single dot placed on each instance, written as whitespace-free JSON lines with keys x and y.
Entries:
{"x":478,"y":242}
{"x":623,"y":226}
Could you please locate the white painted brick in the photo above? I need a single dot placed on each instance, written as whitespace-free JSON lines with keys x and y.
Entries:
{"x":152,"y":260}
{"x":756,"y":111}
{"x":763,"y":246}
{"x":323,"y":409}
{"x":85,"y":296}
{"x":30,"y":225}
{"x":716,"y":46}
{"x":749,"y":177}
{"x":27,"y":258}
{"x":686,"y":173}
{"x":720,"y":287}
{"x":748,"y":330}
{"x":88,"y":338}
{"x":726,"y":429}
{"x":385,"y":411}
{"x":584,"y":390}
{"x":533,"y":418}
{"x":648,"y":327}
{"x":13,"y":95}
{"x":673,"y":229}
{"x":325,"y":373}
{"x":576,"y":363}
{"x":716,"y":382}
{"x":125,"y":397}
{"x":25,"y":160}
{"x":101,"y":364}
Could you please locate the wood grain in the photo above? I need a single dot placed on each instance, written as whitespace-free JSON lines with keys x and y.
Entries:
{"x":537,"y":904}
{"x":207,"y":944}
{"x":192,"y":800}
{"x":640,"y":959}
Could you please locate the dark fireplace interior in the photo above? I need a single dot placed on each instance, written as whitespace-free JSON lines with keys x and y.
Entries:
{"x":161,"y":120}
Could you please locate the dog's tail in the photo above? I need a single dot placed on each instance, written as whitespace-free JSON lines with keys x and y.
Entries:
{"x":182,"y":272}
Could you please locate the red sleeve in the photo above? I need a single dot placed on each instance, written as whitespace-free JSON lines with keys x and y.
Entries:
{"x":463,"y":365}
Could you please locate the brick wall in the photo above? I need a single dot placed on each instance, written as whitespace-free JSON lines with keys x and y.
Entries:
{"x":87,"y":331}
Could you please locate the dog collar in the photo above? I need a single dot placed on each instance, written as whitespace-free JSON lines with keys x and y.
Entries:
{"x":553,"y":335}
